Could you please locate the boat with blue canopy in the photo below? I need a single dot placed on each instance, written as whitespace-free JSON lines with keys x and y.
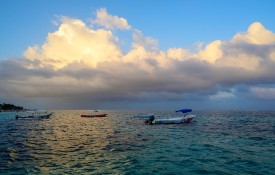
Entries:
{"x":174,"y":120}
{"x":184,"y":110}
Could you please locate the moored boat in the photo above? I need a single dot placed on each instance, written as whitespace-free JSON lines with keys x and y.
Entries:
{"x":174,"y":120}
{"x":94,"y":115}
{"x":39,"y":114}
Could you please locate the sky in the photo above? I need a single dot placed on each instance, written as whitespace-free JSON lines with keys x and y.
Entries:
{"x":199,"y":54}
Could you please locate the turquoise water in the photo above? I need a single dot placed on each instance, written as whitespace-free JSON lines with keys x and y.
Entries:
{"x":219,"y":142}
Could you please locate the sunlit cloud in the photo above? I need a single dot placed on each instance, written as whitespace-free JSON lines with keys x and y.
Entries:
{"x":111,"y":22}
{"x":256,"y":34}
{"x":73,"y":42}
{"x":85,"y":64}
{"x":212,"y":52}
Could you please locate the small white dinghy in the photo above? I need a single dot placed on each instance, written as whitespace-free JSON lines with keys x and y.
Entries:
{"x":39,"y":114}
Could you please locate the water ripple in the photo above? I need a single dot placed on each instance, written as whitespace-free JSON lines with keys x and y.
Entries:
{"x":220,"y":142}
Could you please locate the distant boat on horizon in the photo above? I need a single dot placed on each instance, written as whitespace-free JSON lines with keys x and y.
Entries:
{"x":94,"y":113}
{"x":36,"y":114}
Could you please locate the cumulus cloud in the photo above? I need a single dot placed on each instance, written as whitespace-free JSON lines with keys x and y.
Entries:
{"x":83,"y":65}
{"x":73,"y":42}
{"x":256,"y":34}
{"x":109,"y":21}
{"x":212,"y":52}
{"x":177,"y":53}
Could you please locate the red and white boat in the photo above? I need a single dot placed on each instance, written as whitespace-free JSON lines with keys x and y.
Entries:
{"x":94,"y":114}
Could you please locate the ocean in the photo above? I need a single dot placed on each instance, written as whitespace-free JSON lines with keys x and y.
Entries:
{"x":219,"y":142}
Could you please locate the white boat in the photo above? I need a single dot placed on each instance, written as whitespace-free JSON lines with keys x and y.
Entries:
{"x":174,"y":120}
{"x":39,"y":114}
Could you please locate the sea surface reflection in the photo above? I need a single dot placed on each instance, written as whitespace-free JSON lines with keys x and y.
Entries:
{"x":220,"y":142}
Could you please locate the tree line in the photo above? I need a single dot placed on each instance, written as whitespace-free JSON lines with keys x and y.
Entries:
{"x":10,"y":107}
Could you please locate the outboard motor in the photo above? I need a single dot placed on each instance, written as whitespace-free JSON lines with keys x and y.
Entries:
{"x":150,"y":120}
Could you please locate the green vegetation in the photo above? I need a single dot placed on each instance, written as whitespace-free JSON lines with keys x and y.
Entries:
{"x":10,"y":107}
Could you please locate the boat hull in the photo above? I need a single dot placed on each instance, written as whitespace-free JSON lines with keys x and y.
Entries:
{"x":93,"y":115}
{"x":177,"y":120}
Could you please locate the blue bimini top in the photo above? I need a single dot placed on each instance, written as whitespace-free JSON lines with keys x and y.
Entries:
{"x":184,"y":110}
